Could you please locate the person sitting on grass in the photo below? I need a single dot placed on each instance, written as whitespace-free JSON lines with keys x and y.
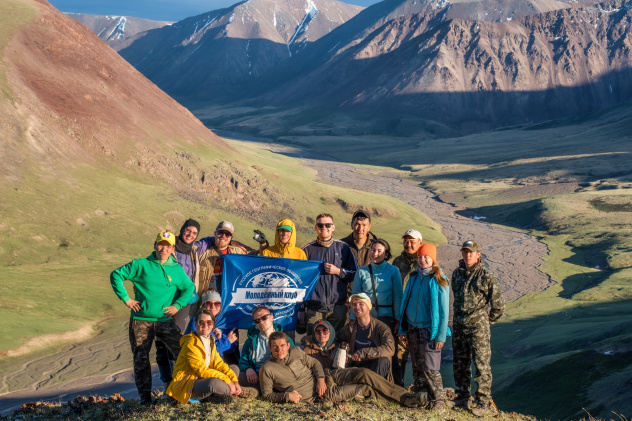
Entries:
{"x":200,"y":373}
{"x":290,"y":375}
{"x":226,"y":340}
{"x":256,"y":350}
{"x":321,"y":346}
{"x":371,"y":343}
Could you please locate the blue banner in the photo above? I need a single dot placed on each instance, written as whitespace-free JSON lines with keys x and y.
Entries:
{"x":280,"y":284}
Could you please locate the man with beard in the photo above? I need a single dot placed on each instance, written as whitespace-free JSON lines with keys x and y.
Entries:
{"x":211,"y":261}
{"x":290,"y":375}
{"x":330,"y":294}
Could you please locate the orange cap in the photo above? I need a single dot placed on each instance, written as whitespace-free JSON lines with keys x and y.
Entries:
{"x":429,"y":250}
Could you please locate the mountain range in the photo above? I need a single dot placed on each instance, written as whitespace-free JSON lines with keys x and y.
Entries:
{"x":424,"y":66}
{"x":115,"y":30}
{"x":222,"y":53}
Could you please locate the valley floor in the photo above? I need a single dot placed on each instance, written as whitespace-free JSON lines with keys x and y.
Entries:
{"x":513,"y":256}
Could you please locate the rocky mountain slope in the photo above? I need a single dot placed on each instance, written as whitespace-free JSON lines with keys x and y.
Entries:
{"x":223,"y":52}
{"x":470,"y":73}
{"x":69,"y":98}
{"x":115,"y":30}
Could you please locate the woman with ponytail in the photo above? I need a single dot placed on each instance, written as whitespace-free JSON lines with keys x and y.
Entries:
{"x":424,"y":323}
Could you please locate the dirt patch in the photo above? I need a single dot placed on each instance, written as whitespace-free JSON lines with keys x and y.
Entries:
{"x":45,"y":341}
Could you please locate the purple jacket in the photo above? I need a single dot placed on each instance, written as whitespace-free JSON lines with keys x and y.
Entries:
{"x":185,"y":260}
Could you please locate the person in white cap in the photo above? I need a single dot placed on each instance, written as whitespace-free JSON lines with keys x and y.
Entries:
{"x":211,"y":261}
{"x":371,"y":343}
{"x":226,"y":340}
{"x":406,"y":262}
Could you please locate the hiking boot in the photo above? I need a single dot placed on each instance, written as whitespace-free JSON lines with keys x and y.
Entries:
{"x":439,"y":406}
{"x":219,"y":399}
{"x":462,"y":403}
{"x":414,"y":400}
{"x":248,"y":393}
{"x":483,"y":408}
{"x":145,"y":400}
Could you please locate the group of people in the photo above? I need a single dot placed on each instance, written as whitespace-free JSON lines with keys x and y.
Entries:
{"x":363,"y":320}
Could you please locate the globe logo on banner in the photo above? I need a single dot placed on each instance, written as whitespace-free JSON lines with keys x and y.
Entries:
{"x":252,"y":281}
{"x":276,"y":290}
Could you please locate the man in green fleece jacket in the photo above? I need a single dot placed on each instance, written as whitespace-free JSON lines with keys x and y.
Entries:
{"x":156,"y":280}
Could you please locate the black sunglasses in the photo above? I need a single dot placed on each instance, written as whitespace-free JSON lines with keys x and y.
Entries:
{"x":328,"y":225}
{"x":261,"y":319}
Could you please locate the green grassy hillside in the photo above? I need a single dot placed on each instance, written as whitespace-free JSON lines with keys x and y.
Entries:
{"x":62,"y":239}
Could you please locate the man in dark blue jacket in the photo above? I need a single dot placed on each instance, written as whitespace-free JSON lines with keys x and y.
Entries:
{"x":329,"y":296}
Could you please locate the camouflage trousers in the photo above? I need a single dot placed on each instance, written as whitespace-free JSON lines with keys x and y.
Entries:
{"x":141,"y":336}
{"x":472,"y":344}
{"x":426,"y":363}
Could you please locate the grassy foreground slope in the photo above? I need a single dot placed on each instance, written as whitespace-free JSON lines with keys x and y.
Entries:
{"x":569,"y":182}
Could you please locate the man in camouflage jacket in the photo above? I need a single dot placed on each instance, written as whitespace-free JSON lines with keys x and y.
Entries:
{"x":475,"y":289}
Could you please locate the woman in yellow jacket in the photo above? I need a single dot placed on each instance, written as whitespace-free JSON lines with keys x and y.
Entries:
{"x":284,"y":242}
{"x":200,"y":373}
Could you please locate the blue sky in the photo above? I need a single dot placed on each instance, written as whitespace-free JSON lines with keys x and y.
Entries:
{"x":170,"y":10}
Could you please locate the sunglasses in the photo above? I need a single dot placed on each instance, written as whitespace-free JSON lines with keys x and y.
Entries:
{"x":261,"y":319}
{"x":208,"y":323}
{"x":321,"y":331}
{"x":213,"y":303}
{"x":224,"y":234}
{"x":327,"y":225}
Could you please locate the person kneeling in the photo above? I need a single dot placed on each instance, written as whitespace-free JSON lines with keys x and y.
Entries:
{"x":200,"y":373}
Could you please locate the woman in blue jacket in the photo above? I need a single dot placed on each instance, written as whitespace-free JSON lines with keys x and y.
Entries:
{"x":382,"y":282}
{"x":424,"y":322}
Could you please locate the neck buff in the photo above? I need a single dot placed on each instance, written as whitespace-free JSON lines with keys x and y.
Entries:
{"x":181,"y":246}
{"x":426,"y":270}
{"x":325,"y":243}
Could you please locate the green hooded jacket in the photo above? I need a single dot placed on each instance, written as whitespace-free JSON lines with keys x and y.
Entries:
{"x":155,"y":286}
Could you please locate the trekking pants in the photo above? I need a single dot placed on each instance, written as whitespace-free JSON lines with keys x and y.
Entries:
{"x":141,"y":336}
{"x":472,"y":344}
{"x":426,"y":363}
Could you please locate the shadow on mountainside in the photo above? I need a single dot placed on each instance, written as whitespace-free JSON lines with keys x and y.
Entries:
{"x":556,"y":365}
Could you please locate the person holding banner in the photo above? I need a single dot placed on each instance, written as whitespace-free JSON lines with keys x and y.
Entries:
{"x":284,"y":242}
{"x":330,"y":295}
{"x":256,"y":351}
{"x":226,"y":340}
{"x":211,"y":264}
